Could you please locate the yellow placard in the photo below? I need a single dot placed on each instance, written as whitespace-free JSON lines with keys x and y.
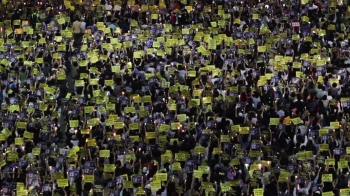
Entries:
{"x":328,"y":194}
{"x":343,"y":164}
{"x":258,"y":192}
{"x":19,"y":141}
{"x":79,"y":83}
{"x":109,"y":82}
{"x":36,"y":151}
{"x":2,"y":137}
{"x":21,"y":125}
{"x":274,"y":121}
{"x":296,"y":121}
{"x":345,"y":192}
{"x":204,"y":169}
{"x":89,"y":178}
{"x":74,"y":123}
{"x":155,"y":185}
{"x":198,"y":174}
{"x":324,"y":147}
{"x":327,"y":178}
{"x":62,"y":182}
{"x":85,"y":131}
{"x":28,"y":135}
{"x":330,"y":162}
{"x":105,"y":153}
{"x":130,"y":110}
{"x":261,"y":48}
{"x":134,"y":126}
{"x":119,"y":125}
{"x":335,"y":125}
{"x":182,"y":117}
{"x":108,"y":167}
{"x":161,"y":176}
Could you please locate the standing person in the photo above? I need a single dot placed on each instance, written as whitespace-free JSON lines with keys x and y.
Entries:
{"x":34,"y":18}
{"x":15,"y":16}
{"x":78,"y":37}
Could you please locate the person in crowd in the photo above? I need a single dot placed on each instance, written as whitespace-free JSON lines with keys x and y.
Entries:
{"x":77,"y":30}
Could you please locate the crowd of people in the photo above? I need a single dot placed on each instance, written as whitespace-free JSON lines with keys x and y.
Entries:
{"x":169,"y":97}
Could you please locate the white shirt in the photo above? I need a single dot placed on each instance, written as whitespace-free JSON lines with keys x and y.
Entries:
{"x":117,"y":8}
{"x":254,"y":120}
{"x":280,"y":113}
{"x":256,"y":101}
{"x":313,"y":7}
{"x":164,"y":193}
{"x":108,"y":7}
{"x":219,"y":120}
{"x":182,"y":73}
{"x":325,"y":102}
{"x":303,"y":144}
{"x":75,"y":142}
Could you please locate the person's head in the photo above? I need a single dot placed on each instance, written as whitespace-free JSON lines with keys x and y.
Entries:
{"x":70,"y":145}
{"x":256,"y":94}
{"x":82,"y":19}
{"x":299,"y":97}
{"x":311,"y":85}
{"x":293,"y":95}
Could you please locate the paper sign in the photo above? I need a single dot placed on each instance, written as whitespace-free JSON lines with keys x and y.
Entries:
{"x":199,"y":150}
{"x":36,"y":151}
{"x":89,"y":178}
{"x":284,"y":176}
{"x":345,"y":192}
{"x":130,"y":110}
{"x":274,"y":121}
{"x":330,"y":162}
{"x":327,"y":178}
{"x":296,"y":121}
{"x":258,"y":192}
{"x":134,"y":126}
{"x":197,"y":173}
{"x":343,"y":164}
{"x":327,"y":194}
{"x":155,"y":185}
{"x":181,"y":117}
{"x":335,"y":125}
{"x":2,"y":137}
{"x":161,"y":176}
{"x":28,"y":135}
{"x":105,"y":153}
{"x":119,"y":125}
{"x":21,"y":125}
{"x":19,"y":141}
{"x":62,"y":183}
{"x":324,"y":147}
{"x":109,"y":167}
{"x":74,"y":123}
